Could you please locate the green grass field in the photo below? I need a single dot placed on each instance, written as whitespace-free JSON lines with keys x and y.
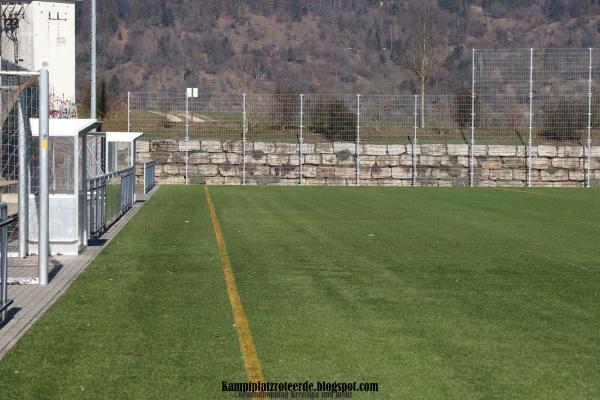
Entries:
{"x":432,"y":293}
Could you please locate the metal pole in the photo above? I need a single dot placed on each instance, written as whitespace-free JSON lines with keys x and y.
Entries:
{"x":44,"y":216}
{"x":589,"y":127}
{"x":23,"y":182}
{"x":187,"y":136}
{"x":301,"y":139}
{"x":414,"y":142}
{"x":244,"y":131}
{"x":530,"y":141}
{"x":357,"y":149}
{"x":93,"y":61}
{"x":472,"y":142}
{"x":128,"y":111}
{"x":4,"y":262}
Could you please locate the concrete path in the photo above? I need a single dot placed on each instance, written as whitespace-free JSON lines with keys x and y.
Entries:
{"x":32,"y":301}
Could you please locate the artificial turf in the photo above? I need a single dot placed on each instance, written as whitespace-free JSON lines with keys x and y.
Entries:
{"x":432,"y":293}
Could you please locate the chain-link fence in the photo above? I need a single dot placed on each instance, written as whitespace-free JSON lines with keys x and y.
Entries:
{"x":519,"y":99}
{"x":19,"y":102}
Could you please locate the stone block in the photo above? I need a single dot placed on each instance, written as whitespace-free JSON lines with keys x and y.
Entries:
{"x":570,"y":151}
{"x":378,"y":172}
{"x":519,"y":174}
{"x":490,"y":163}
{"x":595,"y":151}
{"x":389,"y":182}
{"x":314,"y":182}
{"x":234,"y":158}
{"x":502,"y":151}
{"x":231,"y":180}
{"x":324,"y":148}
{"x":501,"y":174}
{"x":314,"y":159}
{"x":258,"y":170}
{"x":396,"y":149}
{"x":458,"y":149}
{"x":375,"y":149}
{"x":229,"y":170}
{"x":163,"y":145}
{"x":510,"y":183}
{"x":540,"y":163}
{"x":325,"y":172}
{"x":328,"y":159}
{"x":387,"y":161}
{"x":480,"y":150}
{"x":277,"y":159}
{"x":142,"y":146}
{"x":344,"y":146}
{"x":555,"y":175}
{"x":218,"y":158}
{"x":286,"y":171}
{"x":429,"y":161}
{"x":264,"y":147}
{"x":162,"y":157}
{"x":409,"y":149}
{"x":205,"y":170}
{"x":212,"y":146}
{"x":513,"y":162}
{"x":569,"y":163}
{"x":256,"y":157}
{"x":406,"y":160}
{"x":309,"y":171}
{"x":308,"y":148}
{"x":434,"y":149}
{"x":546,"y":151}
{"x":345,"y":172}
{"x":401,"y":173}
{"x":368,"y":161}
{"x":233,"y":146}
{"x":213,"y":180}
{"x":576,"y":176}
{"x":192,"y":145}
{"x":199,"y":158}
{"x":287,"y":148}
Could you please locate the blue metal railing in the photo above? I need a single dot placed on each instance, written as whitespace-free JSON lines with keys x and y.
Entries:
{"x":149,"y":176}
{"x":110,"y":197}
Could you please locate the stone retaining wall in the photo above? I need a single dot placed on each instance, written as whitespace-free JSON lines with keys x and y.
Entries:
{"x":220,"y":162}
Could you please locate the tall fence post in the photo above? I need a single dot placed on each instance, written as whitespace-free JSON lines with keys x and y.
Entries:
{"x":530,"y":140}
{"x":472,"y":141}
{"x":357,"y":144}
{"x":414,"y":143}
{"x":44,"y":199}
{"x":187,"y":136}
{"x":23,"y":181}
{"x":301,"y":140}
{"x":128,"y":111}
{"x":4,"y":301}
{"x":588,"y":174}
{"x":244,"y":132}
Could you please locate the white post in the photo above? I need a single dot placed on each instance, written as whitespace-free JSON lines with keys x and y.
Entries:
{"x":44,"y":199}
{"x":530,"y":141}
{"x":93,"y":61}
{"x":357,"y":145}
{"x":414,"y":143}
{"x":244,"y":131}
{"x":23,"y":182}
{"x":589,"y":127}
{"x":301,"y":139}
{"x":128,"y":111}
{"x":187,"y":135}
{"x":472,"y":142}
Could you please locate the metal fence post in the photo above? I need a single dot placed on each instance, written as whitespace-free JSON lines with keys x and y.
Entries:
{"x":4,"y":301}
{"x":128,"y":111}
{"x":589,"y":127}
{"x":44,"y":216}
{"x":414,"y":143}
{"x":244,"y":131}
{"x":301,"y":140}
{"x":530,"y":140}
{"x":472,"y":141}
{"x":357,"y":148}
{"x":23,"y":182}
{"x":187,"y":136}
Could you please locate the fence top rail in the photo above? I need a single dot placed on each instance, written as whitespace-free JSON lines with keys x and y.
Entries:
{"x":110,"y":175}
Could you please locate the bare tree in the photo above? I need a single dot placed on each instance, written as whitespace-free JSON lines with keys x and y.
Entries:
{"x":421,"y":55}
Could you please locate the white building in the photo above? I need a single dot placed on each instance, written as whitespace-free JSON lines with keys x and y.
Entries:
{"x":46,"y":39}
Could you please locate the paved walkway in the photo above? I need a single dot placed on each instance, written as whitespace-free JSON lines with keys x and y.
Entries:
{"x":32,"y":301}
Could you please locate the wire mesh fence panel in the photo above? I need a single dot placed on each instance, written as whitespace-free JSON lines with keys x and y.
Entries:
{"x":18,"y":94}
{"x":158,"y":115}
{"x":218,"y":117}
{"x":387,"y":119}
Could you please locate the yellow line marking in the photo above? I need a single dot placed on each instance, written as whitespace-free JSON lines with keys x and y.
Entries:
{"x":253,"y":371}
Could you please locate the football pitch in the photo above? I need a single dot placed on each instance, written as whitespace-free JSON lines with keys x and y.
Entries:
{"x":431,"y":293}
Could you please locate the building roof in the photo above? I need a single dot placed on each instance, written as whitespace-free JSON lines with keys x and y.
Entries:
{"x":64,"y":127}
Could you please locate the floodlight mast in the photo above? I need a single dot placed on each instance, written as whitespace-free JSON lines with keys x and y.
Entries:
{"x":93,"y":62}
